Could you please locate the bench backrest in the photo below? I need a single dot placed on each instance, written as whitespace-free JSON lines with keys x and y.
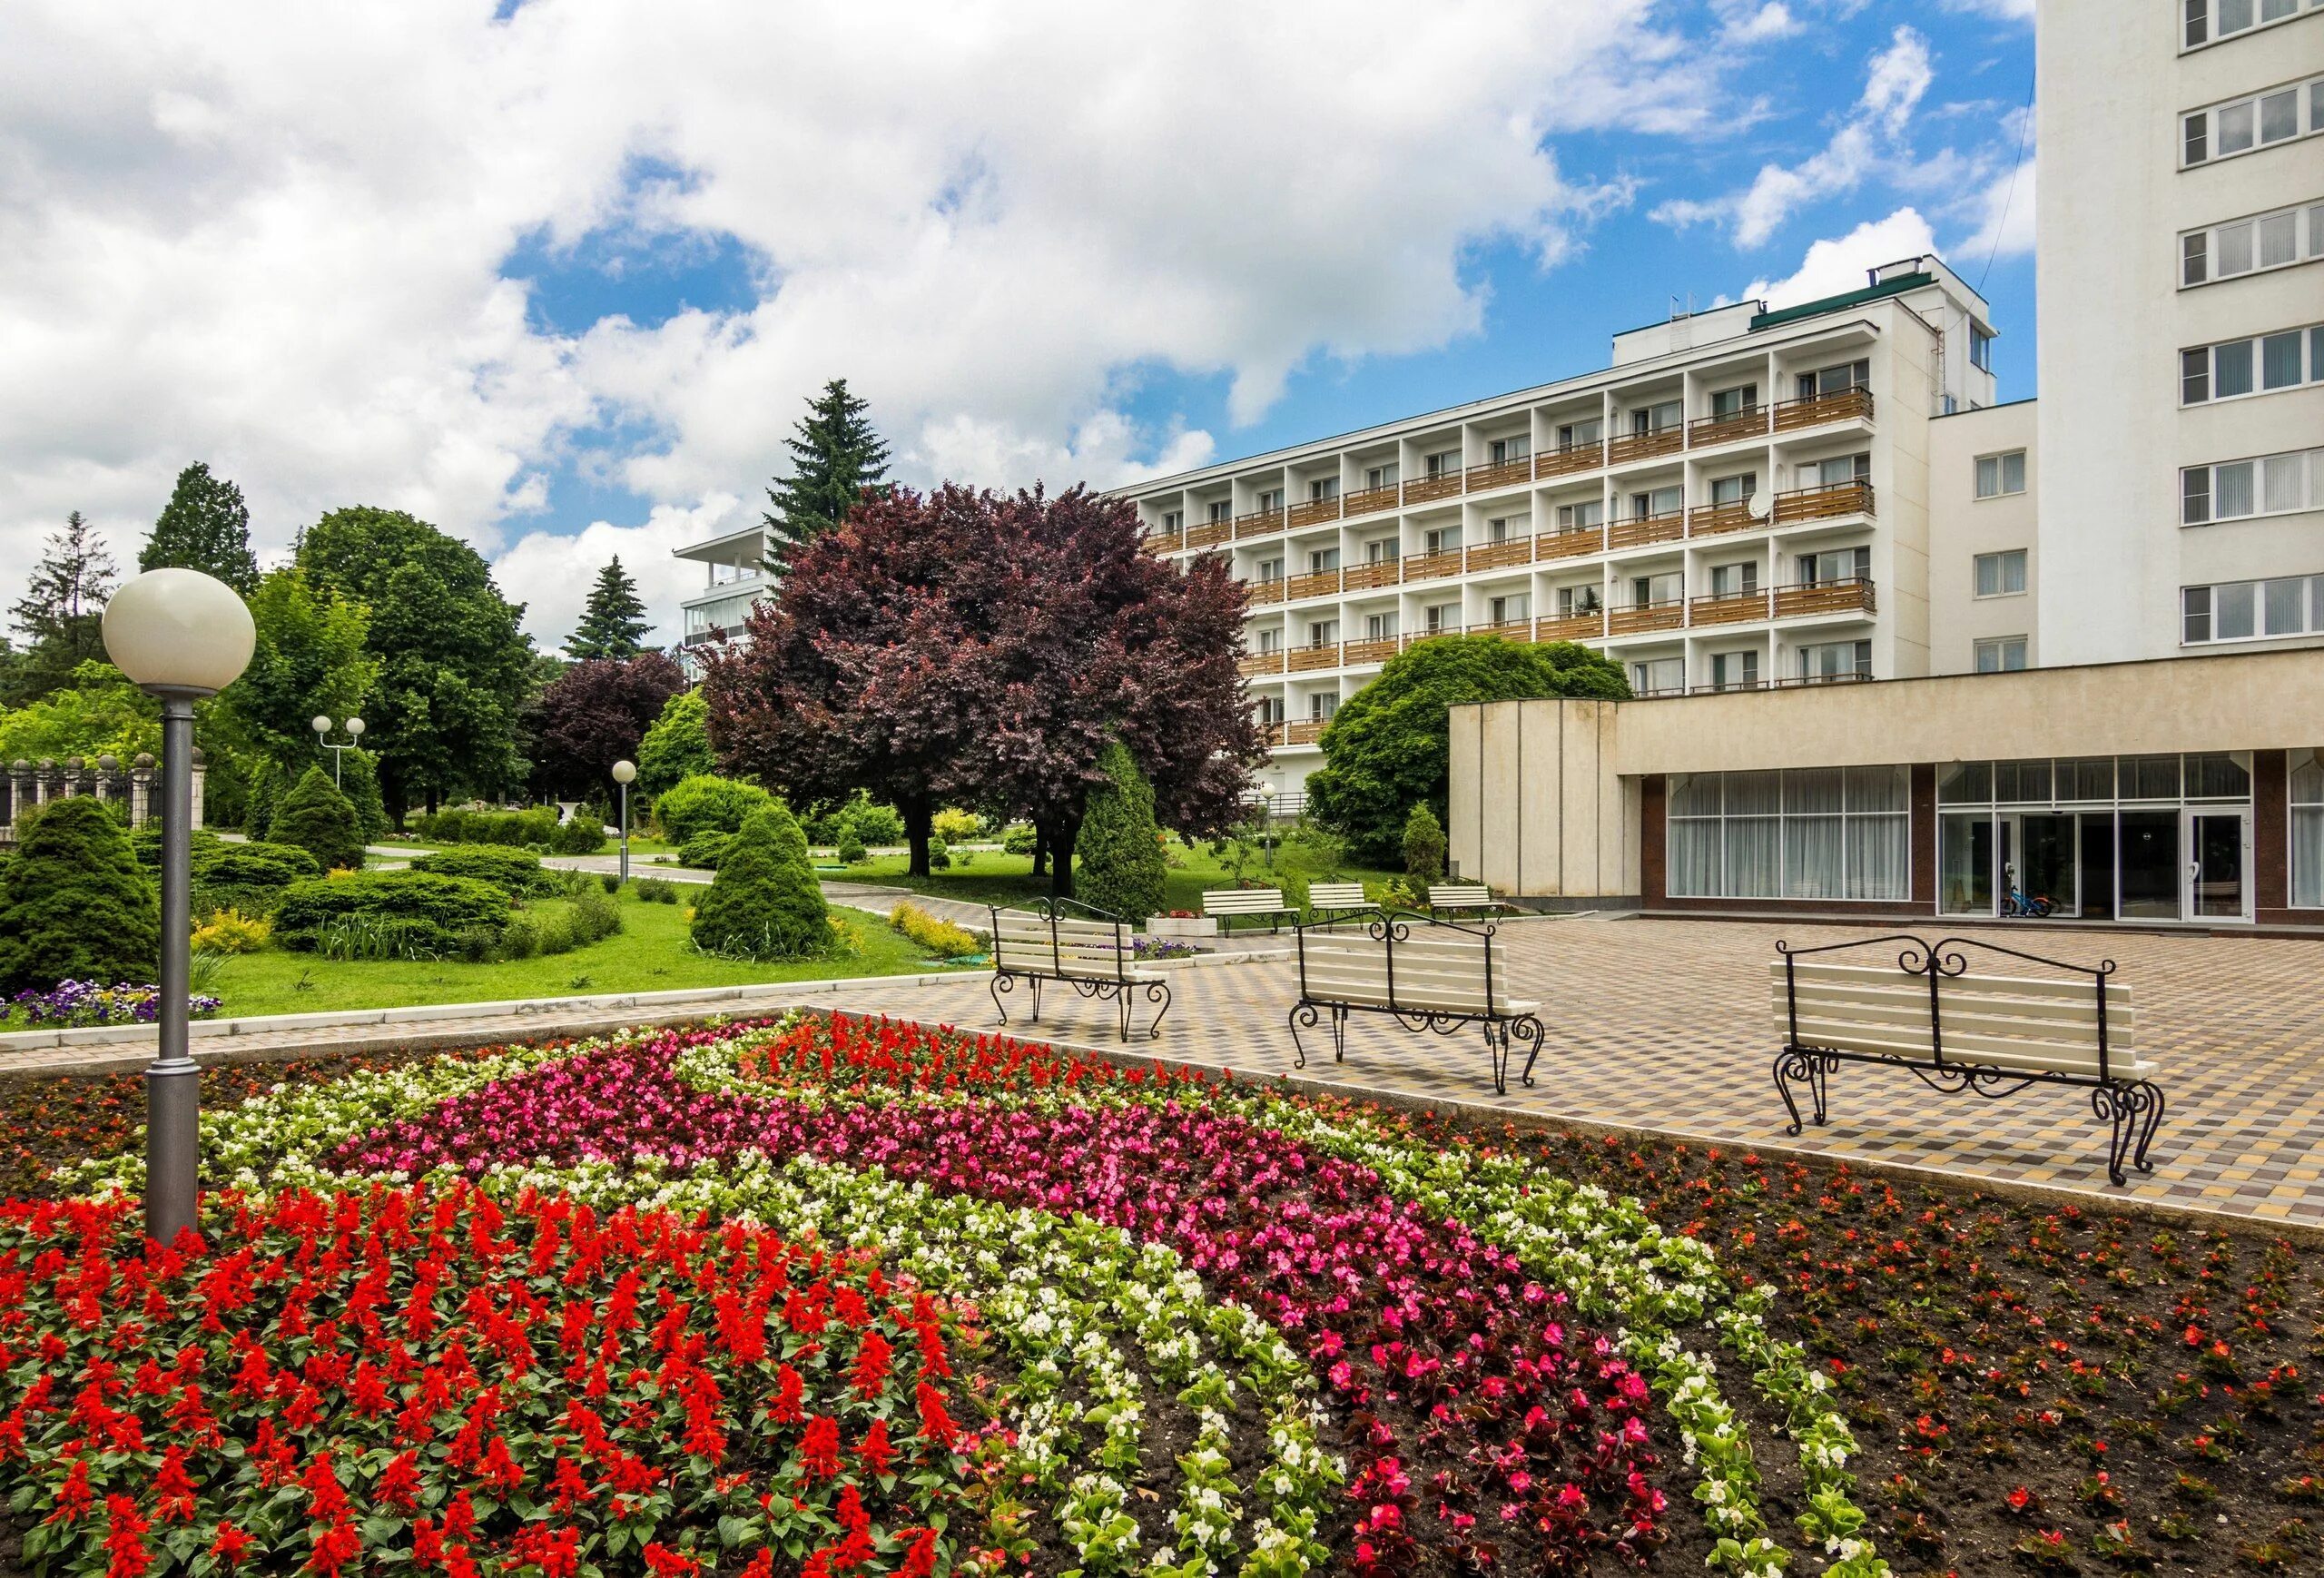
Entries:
{"x":1241,"y":901}
{"x":1027,"y":943}
{"x":2015,"y":1022}
{"x":1339,"y":896}
{"x":1438,"y":968}
{"x":1461,"y":896}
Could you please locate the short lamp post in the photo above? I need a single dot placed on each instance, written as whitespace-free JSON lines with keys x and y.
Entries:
{"x":182,"y":636}
{"x":625,"y":774}
{"x":322,"y":726}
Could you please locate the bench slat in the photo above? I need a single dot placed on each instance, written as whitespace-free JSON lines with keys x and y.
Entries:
{"x":1241,"y":901}
{"x":2062,"y":1010}
{"x":1339,"y":896}
{"x":2044,"y":1020}
{"x":2010,"y":985}
{"x":1912,"y":1041}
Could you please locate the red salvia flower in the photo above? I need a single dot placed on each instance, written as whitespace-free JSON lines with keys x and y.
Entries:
{"x":877,"y":1452}
{"x":935,"y":1424}
{"x":230,"y":1544}
{"x":174,"y":1487}
{"x":819,"y":1449}
{"x":74,"y":1498}
{"x":335,"y":1547}
{"x":125,"y":1553}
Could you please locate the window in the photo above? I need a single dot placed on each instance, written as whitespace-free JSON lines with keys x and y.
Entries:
{"x":1322,"y":632}
{"x":1442,"y":540}
{"x":1836,"y":380}
{"x":1659,"y":418}
{"x":2243,"y":246}
{"x":1818,"y":832}
{"x":1981,"y":349}
{"x":2308,"y":833}
{"x":1579,"y":602}
{"x":1270,"y":569}
{"x":1658,"y":677}
{"x":1513,"y":610}
{"x":2209,"y":21}
{"x":1441,"y":616}
{"x":1380,"y":626}
{"x":2001,"y":655}
{"x":1835,"y":660}
{"x":1378,"y":477}
{"x":1835,"y":473}
{"x":1171,"y":520}
{"x":1270,"y":500}
{"x":1220,"y":510}
{"x":2000,"y":574}
{"x":1734,"y":489}
{"x":1444,"y":463}
{"x":1270,"y":709}
{"x":1498,"y":530}
{"x":2256,"y":120}
{"x":1999,"y":475}
{"x":1580,"y":435}
{"x":1734,"y":671}
{"x":1582,"y":516}
{"x":1657,"y":501}
{"x":1323,"y":489}
{"x":1322,"y":560}
{"x":2237,"y":490}
{"x":2251,"y":610}
{"x":1322,"y":706}
{"x":1834,"y":565}
{"x":1739,"y":580}
{"x":1505,"y":450}
{"x":1380,"y":550}
{"x":1734,"y":402}
{"x":1654,"y":591}
{"x":1270,"y":640}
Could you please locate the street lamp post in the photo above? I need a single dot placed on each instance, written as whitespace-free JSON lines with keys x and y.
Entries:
{"x":625,"y":774}
{"x":181,"y":636}
{"x":322,"y":726}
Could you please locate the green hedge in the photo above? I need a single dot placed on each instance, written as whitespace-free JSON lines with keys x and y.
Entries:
{"x":436,"y":914}
{"x":519,"y":828}
{"x":512,"y":869}
{"x":249,"y":877}
{"x":707,"y":803}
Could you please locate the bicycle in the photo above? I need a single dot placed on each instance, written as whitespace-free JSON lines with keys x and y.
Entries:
{"x":2017,"y":904}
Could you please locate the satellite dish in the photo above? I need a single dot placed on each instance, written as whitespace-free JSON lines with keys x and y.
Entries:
{"x":1755,"y":505}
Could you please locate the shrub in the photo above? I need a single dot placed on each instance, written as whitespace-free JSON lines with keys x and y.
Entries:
{"x":512,"y":869}
{"x":558,"y":934}
{"x":706,"y":802}
{"x":360,"y":780}
{"x":321,"y":820}
{"x":595,"y":916}
{"x":765,"y":903}
{"x":957,"y":826}
{"x":519,"y":829}
{"x":268,"y":785}
{"x":873,"y":823}
{"x":145,"y":844}
{"x":250,"y":877}
{"x":441,"y":909}
{"x":1019,"y":840}
{"x":521,"y":939}
{"x":939,"y":855}
{"x":76,"y":905}
{"x":705,"y":851}
{"x":941,"y":937}
{"x":374,"y":937}
{"x":677,"y":745}
{"x":1118,"y":856}
{"x":231,"y":931}
{"x":610,"y":881}
{"x":1423,"y":844}
{"x":657,"y":890}
{"x":851,"y":851}
{"x":581,"y":836}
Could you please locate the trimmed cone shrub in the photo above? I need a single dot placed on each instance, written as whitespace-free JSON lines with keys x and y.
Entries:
{"x":1423,"y":844}
{"x":431,"y":914}
{"x":76,"y":906}
{"x":765,"y":903}
{"x":706,"y":802}
{"x":1119,"y":865}
{"x":319,"y":819}
{"x":517,"y":869}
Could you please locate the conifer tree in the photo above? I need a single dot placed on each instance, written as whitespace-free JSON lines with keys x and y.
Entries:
{"x":613,"y":624}
{"x":205,"y":527}
{"x":73,"y":906}
{"x":765,"y":903}
{"x":836,"y":455}
{"x":316,"y":817}
{"x":1120,"y":850}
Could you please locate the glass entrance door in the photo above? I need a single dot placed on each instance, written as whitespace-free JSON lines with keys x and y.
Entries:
{"x":2219,"y":863}
{"x":2043,"y":849}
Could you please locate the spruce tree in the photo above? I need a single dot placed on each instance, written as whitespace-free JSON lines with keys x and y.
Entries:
{"x":613,"y":624}
{"x":61,"y":614}
{"x":73,"y":904}
{"x":836,"y":455}
{"x":765,"y":903}
{"x":205,"y":527}
{"x":316,"y":817}
{"x":1119,"y":865}
{"x":1423,"y":844}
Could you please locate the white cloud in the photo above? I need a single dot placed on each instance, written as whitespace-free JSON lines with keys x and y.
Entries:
{"x":271,"y":238}
{"x":2000,"y":201}
{"x":1834,"y":266}
{"x":2000,"y":10}
{"x":552,"y":574}
{"x":1746,"y":22}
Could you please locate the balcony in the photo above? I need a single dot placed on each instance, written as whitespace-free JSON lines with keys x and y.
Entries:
{"x":1372,"y":500}
{"x":1656,"y":692}
{"x":1305,"y":732}
{"x":1852,"y":596}
{"x":1565,"y":462}
{"x":1267,"y":591}
{"x":1498,"y":556}
{"x":1712,"y":519}
{"x":1378,"y":650}
{"x":1429,"y":635}
{"x":1430,"y":566}
{"x":1640,"y":618}
{"x":1844,"y":405}
{"x":1210,"y":533}
{"x":1372,"y":573}
{"x":1645,"y":446}
{"x":1750,"y":422}
{"x":1254,"y":664}
{"x":1431,"y":487}
{"x":1568,"y":545}
{"x":1258,"y":523}
{"x":1506,"y":474}
{"x":1507,"y":629}
{"x":1720,"y":688}
{"x":1730,"y":609}
{"x":1642,"y":529}
{"x":1826,"y":503}
{"x":1590,"y":627}
{"x":1162,"y":542}
{"x":1319,"y":655}
{"x":1322,"y":583}
{"x":1844,"y":676}
{"x":1314,"y":512}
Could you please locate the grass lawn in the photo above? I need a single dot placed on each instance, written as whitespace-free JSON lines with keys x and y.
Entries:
{"x":1007,"y":879}
{"x":649,"y":954}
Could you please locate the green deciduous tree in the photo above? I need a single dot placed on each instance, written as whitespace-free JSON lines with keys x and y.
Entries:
{"x":316,"y":817}
{"x":835,"y":456}
{"x":205,"y":527}
{"x":73,"y":903}
{"x":100,"y":712}
{"x":1386,"y":750}
{"x":311,"y":656}
{"x":765,"y":903}
{"x":1119,"y":847}
{"x":677,"y":745}
{"x":614,"y":622}
{"x":59,"y":617}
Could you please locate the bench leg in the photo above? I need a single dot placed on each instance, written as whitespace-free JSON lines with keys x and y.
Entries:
{"x":1121,"y":1006}
{"x":1001,"y":981}
{"x":1302,"y":1014}
{"x":1808,"y":1067}
{"x":2131,"y":1111}
{"x":1037,"y":997}
{"x":1528,"y":1030}
{"x":1497,"y":1048}
{"x":1158,"y":991}
{"x":1339,"y":1034}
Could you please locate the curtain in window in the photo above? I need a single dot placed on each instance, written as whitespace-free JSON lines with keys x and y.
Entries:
{"x":2308,"y":836}
{"x":1879,"y":856}
{"x":1753,"y":847}
{"x":2231,"y":491}
{"x":1696,"y":858}
{"x":1811,"y":857}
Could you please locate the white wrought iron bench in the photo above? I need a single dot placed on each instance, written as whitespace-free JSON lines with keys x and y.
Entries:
{"x":1224,"y":905}
{"x":1090,"y":949}
{"x":1959,"y":1032}
{"x":1466,"y":898}
{"x":1428,"y":975}
{"x":1330,"y":902}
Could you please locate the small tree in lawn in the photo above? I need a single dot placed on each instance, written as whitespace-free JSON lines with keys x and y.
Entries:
{"x":1423,"y":844}
{"x":765,"y":903}
{"x":316,"y":817}
{"x":1120,"y":848}
{"x":73,"y":903}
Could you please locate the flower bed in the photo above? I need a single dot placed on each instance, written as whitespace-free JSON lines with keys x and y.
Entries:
{"x":76,"y":1003}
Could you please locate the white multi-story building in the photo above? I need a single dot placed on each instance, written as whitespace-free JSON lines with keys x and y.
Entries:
{"x":1740,"y":500}
{"x":735,"y":567}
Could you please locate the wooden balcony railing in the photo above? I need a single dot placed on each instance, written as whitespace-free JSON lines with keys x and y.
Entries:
{"x":1418,"y":636}
{"x":1587,"y":626}
{"x":1322,"y":583}
{"x":1846,"y":676}
{"x":1428,"y":487}
{"x":1507,"y":629}
{"x":1162,"y":542}
{"x":1565,"y":462}
{"x":1711,"y":520}
{"x":1429,"y":567}
{"x":1567,"y":544}
{"x":1720,"y":688}
{"x":1668,"y":527}
{"x":1826,"y":503}
{"x":1314,"y":512}
{"x":1645,"y":446}
{"x":1845,"y":405}
{"x":1500,"y":476}
{"x":1640,"y":618}
{"x":1495,"y":555}
{"x":1261,"y":592}
{"x":1655,"y":692}
{"x":1319,"y":655}
{"x":1750,"y":422}
{"x":1378,"y":650}
{"x":1305,"y":732}
{"x":1372,"y":573}
{"x":1852,"y":596}
{"x":1372,"y":500}
{"x":1209,"y":533}
{"x":1274,"y":733}
{"x":1258,"y":523}
{"x":1729,"y":609}
{"x":1257,"y":662}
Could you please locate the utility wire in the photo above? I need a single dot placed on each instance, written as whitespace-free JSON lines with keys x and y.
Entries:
{"x":2024,"y":129}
